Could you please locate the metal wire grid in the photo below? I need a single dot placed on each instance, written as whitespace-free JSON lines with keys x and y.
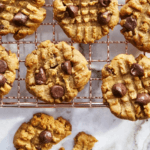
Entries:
{"x":40,"y":104}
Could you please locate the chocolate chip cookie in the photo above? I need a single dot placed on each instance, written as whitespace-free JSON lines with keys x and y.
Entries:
{"x":21,"y":17}
{"x":84,"y":141}
{"x":135,"y":16}
{"x":8,"y":65}
{"x":86,"y":21}
{"x":41,"y":132}
{"x":126,"y":87}
{"x":56,"y":73}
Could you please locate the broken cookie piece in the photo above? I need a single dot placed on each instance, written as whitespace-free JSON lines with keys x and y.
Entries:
{"x":84,"y":141}
{"x":41,"y":132}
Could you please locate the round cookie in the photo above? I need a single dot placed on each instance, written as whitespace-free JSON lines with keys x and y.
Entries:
{"x":41,"y":132}
{"x":126,"y":86}
{"x":8,"y":65}
{"x":135,"y":15}
{"x":86,"y":21}
{"x":56,"y":73}
{"x":21,"y":17}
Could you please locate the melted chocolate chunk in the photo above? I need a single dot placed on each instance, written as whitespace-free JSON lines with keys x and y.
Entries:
{"x":104,"y":18}
{"x":72,"y":10}
{"x":66,"y":67}
{"x":45,"y":137}
{"x":57,"y":91}
{"x":40,"y":78}
{"x":119,"y":90}
{"x":130,"y":24}
{"x":104,"y":3}
{"x":142,"y":98}
{"x":3,"y":66}
{"x":137,"y":70}
{"x":2,"y":80}
{"x":20,"y":19}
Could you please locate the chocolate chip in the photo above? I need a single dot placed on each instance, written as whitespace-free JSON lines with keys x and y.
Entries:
{"x":57,"y":91}
{"x":2,"y":80}
{"x":72,"y":10}
{"x":45,"y":137}
{"x":142,"y":98}
{"x":66,"y":67}
{"x":2,"y":7}
{"x":130,"y":23}
{"x":137,"y":70}
{"x":119,"y":90}
{"x":104,"y":18}
{"x":3,"y":66}
{"x":104,"y":3}
{"x":20,"y":19}
{"x":40,"y":78}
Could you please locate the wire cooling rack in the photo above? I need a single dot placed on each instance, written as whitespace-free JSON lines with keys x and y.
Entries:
{"x":97,"y":54}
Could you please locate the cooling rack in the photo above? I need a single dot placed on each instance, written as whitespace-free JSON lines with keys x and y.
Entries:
{"x":91,"y":95}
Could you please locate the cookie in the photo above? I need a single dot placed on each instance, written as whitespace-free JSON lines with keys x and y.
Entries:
{"x":21,"y":17}
{"x":84,"y":141}
{"x":56,"y":73}
{"x":125,"y":86}
{"x":41,"y":132}
{"x":135,"y":16}
{"x":86,"y":21}
{"x":8,"y":65}
{"x":62,"y":148}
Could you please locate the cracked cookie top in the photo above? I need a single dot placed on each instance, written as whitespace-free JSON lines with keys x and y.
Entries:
{"x":135,"y":15}
{"x":84,"y":20}
{"x":84,"y":141}
{"x":126,"y":86}
{"x":8,"y":65}
{"x":56,"y":73}
{"x":41,"y":132}
{"x":21,"y":17}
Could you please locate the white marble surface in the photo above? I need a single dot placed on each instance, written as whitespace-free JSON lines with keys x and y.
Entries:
{"x":112,"y":133}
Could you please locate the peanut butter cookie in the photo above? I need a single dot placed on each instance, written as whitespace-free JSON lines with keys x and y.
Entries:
{"x":135,"y":15}
{"x":126,"y":87}
{"x":21,"y":17}
{"x":84,"y":141}
{"x":86,"y":21}
{"x":56,"y":73}
{"x":41,"y":132}
{"x":8,"y":65}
